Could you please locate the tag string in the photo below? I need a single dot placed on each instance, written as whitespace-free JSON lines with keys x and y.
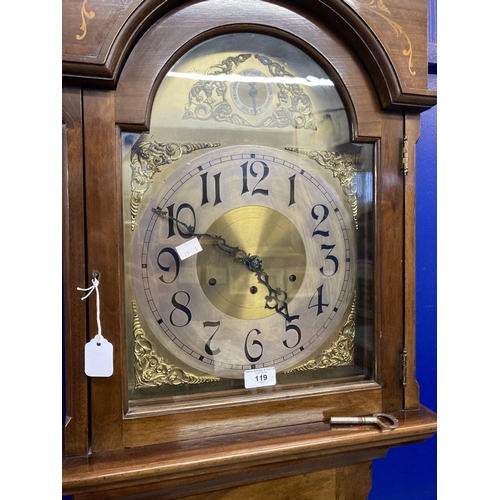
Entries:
{"x":95,"y":286}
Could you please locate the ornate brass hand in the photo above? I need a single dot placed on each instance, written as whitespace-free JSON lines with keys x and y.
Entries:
{"x":276,"y":298}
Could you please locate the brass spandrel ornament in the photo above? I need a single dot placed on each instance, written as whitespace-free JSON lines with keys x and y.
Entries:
{"x":147,"y":158}
{"x":340,"y":353}
{"x":152,"y":370}
{"x":342,"y":166}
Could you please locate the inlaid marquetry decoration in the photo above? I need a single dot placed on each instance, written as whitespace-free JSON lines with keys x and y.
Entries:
{"x":250,"y":90}
{"x":343,"y":167}
{"x":379,"y":8}
{"x":86,"y":14}
{"x":147,"y":158}
{"x":340,"y":352}
{"x":152,"y":370}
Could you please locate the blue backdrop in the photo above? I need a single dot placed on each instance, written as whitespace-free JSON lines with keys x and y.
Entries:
{"x":410,"y":472}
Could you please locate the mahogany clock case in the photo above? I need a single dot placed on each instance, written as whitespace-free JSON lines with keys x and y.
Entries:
{"x":136,"y":124}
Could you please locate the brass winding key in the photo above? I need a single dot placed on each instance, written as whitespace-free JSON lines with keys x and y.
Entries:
{"x":383,"y":420}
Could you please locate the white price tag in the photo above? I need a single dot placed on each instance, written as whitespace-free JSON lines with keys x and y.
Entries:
{"x":260,"y":377}
{"x":191,"y":247}
{"x":98,"y":358}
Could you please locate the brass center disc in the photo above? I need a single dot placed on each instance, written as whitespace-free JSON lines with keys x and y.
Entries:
{"x":229,"y":284}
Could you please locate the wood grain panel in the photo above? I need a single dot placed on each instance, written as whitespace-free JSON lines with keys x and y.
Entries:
{"x":389,"y":262}
{"x":350,"y":482}
{"x":382,"y":38}
{"x":247,"y":457}
{"x":103,"y":202}
{"x":74,"y":274}
{"x":412,"y":391}
{"x":212,"y":422}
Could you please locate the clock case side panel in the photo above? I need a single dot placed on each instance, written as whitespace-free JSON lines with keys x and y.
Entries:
{"x":396,"y":262}
{"x":104,"y":239}
{"x":408,"y":358}
{"x":389,"y":277}
{"x":75,"y":436}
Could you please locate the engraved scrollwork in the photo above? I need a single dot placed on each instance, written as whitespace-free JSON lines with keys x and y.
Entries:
{"x":207,"y":98}
{"x":378,"y":7}
{"x":152,"y":370}
{"x":295,"y":107}
{"x":340,"y":353}
{"x":343,"y":167}
{"x":85,"y":14}
{"x":147,"y":158}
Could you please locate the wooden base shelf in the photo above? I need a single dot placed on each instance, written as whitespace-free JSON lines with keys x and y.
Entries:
{"x":240,"y":464}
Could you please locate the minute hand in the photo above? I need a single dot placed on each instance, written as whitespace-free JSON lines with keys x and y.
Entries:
{"x":276,"y":298}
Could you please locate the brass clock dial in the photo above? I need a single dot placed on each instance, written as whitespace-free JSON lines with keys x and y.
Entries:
{"x":211,"y":310}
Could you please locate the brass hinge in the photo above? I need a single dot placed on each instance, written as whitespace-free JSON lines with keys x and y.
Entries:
{"x":404,"y":156}
{"x":403,"y":365}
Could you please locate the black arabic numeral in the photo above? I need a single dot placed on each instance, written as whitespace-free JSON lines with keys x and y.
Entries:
{"x":208,"y":346}
{"x":294,"y":328}
{"x":319,"y":304}
{"x":315,"y":216}
{"x":204,"y":189}
{"x":291,"y":179}
{"x":179,"y":215}
{"x":253,"y":359}
{"x":179,"y":306}
{"x":332,"y":258}
{"x":254,"y":174}
{"x":166,"y":269}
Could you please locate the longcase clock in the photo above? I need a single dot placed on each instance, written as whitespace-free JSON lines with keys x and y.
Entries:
{"x":239,"y":195}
